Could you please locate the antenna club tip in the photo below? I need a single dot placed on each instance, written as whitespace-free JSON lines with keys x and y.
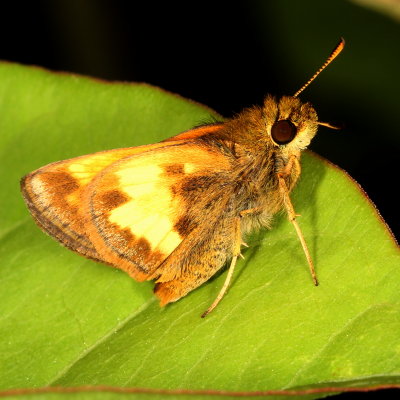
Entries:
{"x":340,"y":45}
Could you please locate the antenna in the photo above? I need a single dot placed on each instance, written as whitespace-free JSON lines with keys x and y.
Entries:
{"x":337,"y":50}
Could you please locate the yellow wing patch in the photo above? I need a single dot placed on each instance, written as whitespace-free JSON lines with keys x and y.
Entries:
{"x":150,"y":211}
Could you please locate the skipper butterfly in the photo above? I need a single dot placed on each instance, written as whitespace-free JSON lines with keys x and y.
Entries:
{"x":177,"y":211}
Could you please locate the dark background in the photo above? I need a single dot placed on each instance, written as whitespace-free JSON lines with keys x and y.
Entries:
{"x":228,"y":55}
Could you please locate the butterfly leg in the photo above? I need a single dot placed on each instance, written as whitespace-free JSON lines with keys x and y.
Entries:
{"x":236,"y":253}
{"x":292,"y":215}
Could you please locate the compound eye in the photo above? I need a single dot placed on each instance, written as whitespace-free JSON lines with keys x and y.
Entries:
{"x":283,"y":131}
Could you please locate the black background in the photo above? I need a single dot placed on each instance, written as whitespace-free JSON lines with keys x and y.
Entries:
{"x":228,"y":55}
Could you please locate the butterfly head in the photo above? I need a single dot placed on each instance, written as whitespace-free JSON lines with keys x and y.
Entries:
{"x":290,"y":123}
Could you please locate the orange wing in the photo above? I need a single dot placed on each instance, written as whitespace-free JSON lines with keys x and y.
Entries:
{"x":133,"y":207}
{"x":197,"y":132}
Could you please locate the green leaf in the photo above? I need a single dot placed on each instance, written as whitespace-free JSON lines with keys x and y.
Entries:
{"x":67,"y":321}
